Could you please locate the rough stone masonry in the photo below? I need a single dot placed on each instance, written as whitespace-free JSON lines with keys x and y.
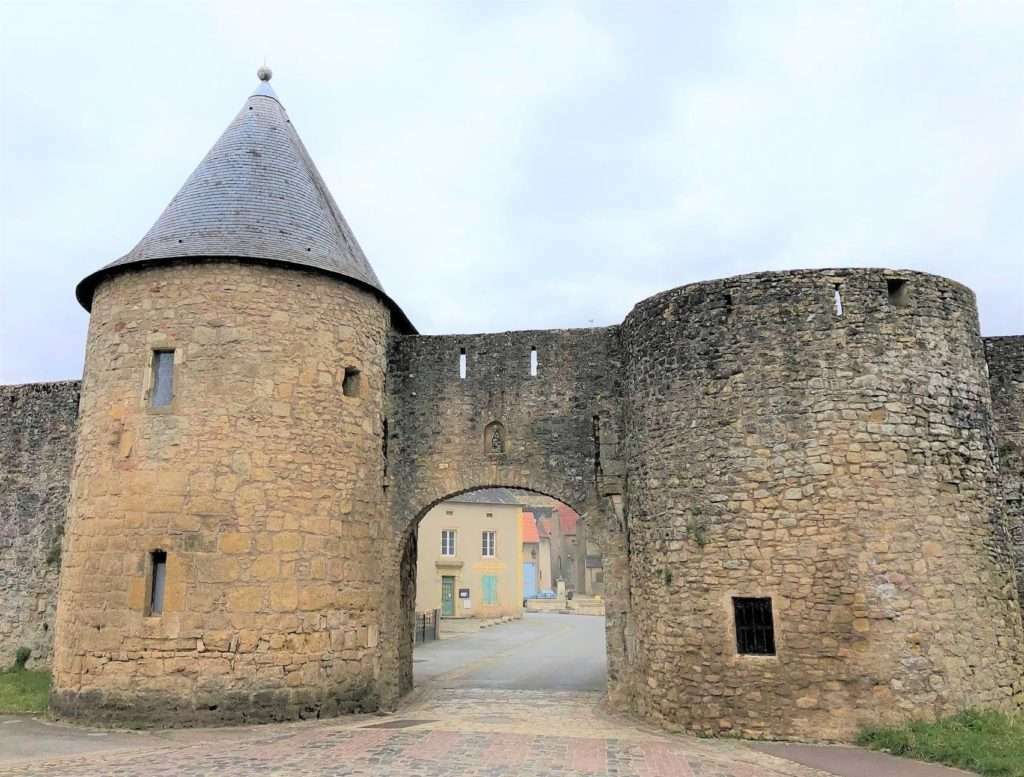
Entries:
{"x":828,"y":447}
{"x":37,"y":444}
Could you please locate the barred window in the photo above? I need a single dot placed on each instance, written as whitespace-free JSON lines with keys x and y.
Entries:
{"x":448,"y":542}
{"x":755,"y":630}
{"x":487,"y":550}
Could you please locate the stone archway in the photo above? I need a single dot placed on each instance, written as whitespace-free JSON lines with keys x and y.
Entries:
{"x":553,"y":430}
{"x":404,"y":571}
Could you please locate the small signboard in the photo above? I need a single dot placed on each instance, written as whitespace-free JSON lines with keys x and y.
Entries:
{"x":463,"y":593}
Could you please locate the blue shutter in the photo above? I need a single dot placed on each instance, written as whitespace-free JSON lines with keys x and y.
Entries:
{"x":490,"y":589}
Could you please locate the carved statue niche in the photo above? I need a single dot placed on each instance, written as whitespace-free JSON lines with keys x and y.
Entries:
{"x":494,"y":439}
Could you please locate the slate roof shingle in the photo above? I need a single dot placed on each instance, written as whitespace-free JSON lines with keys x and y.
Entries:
{"x":256,"y":195}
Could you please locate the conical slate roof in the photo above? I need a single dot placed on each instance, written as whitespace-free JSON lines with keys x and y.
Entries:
{"x":256,"y":195}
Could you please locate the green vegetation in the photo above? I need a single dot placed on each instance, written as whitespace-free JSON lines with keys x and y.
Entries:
{"x":21,"y":657}
{"x":24,"y":690}
{"x":989,"y":743}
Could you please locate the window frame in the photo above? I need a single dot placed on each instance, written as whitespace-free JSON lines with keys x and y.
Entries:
{"x":451,"y":536}
{"x":155,"y":372}
{"x":484,"y":536}
{"x":753,"y":638}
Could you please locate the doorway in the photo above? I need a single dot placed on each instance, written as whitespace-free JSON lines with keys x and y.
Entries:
{"x":448,"y":596}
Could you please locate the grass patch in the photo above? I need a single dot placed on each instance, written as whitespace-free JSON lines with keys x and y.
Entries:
{"x":24,"y":691}
{"x":989,"y":743}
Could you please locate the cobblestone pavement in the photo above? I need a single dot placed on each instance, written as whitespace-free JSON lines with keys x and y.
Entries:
{"x":443,"y":733}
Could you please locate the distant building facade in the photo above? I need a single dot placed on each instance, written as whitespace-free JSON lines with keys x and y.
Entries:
{"x":470,"y":559}
{"x":537,"y":577}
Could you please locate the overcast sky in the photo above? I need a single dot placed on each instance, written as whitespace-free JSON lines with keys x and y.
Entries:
{"x":527,"y":165}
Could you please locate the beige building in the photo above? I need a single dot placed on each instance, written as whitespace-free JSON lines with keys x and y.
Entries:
{"x":469,"y":557}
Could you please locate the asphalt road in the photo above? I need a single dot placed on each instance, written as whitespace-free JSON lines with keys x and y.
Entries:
{"x":543,"y":651}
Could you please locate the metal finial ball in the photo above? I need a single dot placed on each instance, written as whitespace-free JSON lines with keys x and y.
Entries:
{"x":264,"y":73}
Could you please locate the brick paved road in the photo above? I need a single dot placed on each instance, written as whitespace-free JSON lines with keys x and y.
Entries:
{"x":448,"y":733}
{"x":446,"y":728}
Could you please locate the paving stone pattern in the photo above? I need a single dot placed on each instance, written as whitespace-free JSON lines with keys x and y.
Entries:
{"x":483,"y":734}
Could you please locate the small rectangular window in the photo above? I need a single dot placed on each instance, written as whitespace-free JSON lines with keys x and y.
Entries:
{"x":755,"y":630}
{"x":462,"y":364}
{"x":837,"y":299}
{"x":162,"y":391}
{"x":157,"y":581}
{"x":533,"y":362}
{"x":487,"y":550}
{"x":897,"y":288}
{"x":490,"y":585}
{"x":448,"y":542}
{"x":350,"y":384}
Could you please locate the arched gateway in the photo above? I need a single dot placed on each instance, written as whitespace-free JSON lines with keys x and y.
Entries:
{"x":798,"y":499}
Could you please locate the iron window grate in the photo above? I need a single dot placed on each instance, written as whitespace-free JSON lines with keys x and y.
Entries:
{"x":755,"y":630}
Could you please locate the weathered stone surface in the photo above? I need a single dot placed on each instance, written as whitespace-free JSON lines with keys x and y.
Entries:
{"x":1006,"y":379}
{"x":553,"y":426}
{"x":261,"y":481}
{"x":37,"y":443}
{"x":842,"y":465}
{"x":731,"y":438}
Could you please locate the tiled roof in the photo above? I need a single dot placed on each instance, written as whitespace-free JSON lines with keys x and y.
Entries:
{"x":487,"y":496}
{"x":256,"y":195}
{"x":529,"y":528}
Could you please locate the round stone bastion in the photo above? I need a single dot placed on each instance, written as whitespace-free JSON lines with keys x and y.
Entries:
{"x":256,"y":485}
{"x":814,"y":447}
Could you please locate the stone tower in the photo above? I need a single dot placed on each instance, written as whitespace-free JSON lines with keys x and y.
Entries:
{"x":222,"y":545}
{"x":819,"y":444}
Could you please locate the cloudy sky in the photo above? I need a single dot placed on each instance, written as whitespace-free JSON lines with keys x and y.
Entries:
{"x":527,"y":165}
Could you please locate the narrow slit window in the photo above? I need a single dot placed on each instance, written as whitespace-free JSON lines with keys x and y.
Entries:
{"x":898,"y":292}
{"x":162,"y":391}
{"x":533,"y":362}
{"x":158,"y":581}
{"x":838,"y":299}
{"x":462,"y":364}
{"x":755,"y":629}
{"x":352,"y":382}
{"x":487,"y":549}
{"x":384,"y":448}
{"x":728,"y":307}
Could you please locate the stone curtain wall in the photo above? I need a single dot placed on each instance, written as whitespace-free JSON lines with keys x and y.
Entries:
{"x":1006,"y":378}
{"x":37,"y":444}
{"x":845,"y":465}
{"x":842,"y":465}
{"x":261,"y":482}
{"x":441,"y":431}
